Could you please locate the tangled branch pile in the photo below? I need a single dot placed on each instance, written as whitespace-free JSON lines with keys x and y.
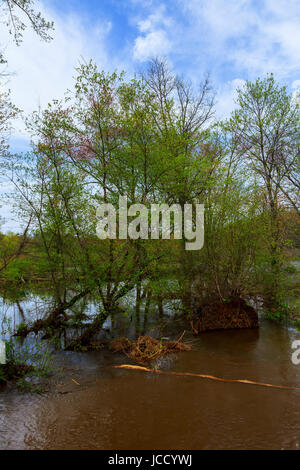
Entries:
{"x":146,"y":348}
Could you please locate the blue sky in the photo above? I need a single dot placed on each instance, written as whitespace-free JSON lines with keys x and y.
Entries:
{"x":233,"y":40}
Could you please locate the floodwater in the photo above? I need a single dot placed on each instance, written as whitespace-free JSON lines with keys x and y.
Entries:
{"x":122,"y":409}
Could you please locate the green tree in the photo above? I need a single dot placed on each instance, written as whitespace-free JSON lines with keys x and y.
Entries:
{"x":265,"y":132}
{"x":17,"y":14}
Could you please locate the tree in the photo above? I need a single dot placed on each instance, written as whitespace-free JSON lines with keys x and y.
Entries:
{"x":79,"y":160}
{"x":7,"y":112}
{"x":265,"y":132}
{"x":151,"y":139}
{"x":189,"y":158}
{"x":16,"y":13}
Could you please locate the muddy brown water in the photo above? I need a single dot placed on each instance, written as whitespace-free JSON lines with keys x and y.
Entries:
{"x":121,"y":409}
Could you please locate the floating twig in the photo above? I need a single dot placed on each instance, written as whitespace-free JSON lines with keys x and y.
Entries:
{"x":204,"y":376}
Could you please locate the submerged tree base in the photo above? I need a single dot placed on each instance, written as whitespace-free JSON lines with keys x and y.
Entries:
{"x":235,"y":314}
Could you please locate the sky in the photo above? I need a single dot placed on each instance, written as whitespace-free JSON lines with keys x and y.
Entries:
{"x":232,"y":40}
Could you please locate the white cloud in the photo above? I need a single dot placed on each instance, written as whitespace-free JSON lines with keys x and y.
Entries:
{"x":43,"y":71}
{"x":228,"y":18}
{"x":283,"y":9}
{"x":155,"y":38}
{"x":226,"y":97}
{"x":260,"y":38}
{"x":155,"y":43}
{"x":155,"y":19}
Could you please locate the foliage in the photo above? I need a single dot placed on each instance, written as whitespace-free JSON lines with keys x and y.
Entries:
{"x":153,"y":140}
{"x":27,"y":361}
{"x":17,"y":13}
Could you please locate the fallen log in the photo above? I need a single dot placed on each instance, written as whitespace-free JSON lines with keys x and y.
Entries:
{"x":203,"y":376}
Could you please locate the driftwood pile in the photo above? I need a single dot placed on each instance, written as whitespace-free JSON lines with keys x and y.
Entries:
{"x":146,"y":348}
